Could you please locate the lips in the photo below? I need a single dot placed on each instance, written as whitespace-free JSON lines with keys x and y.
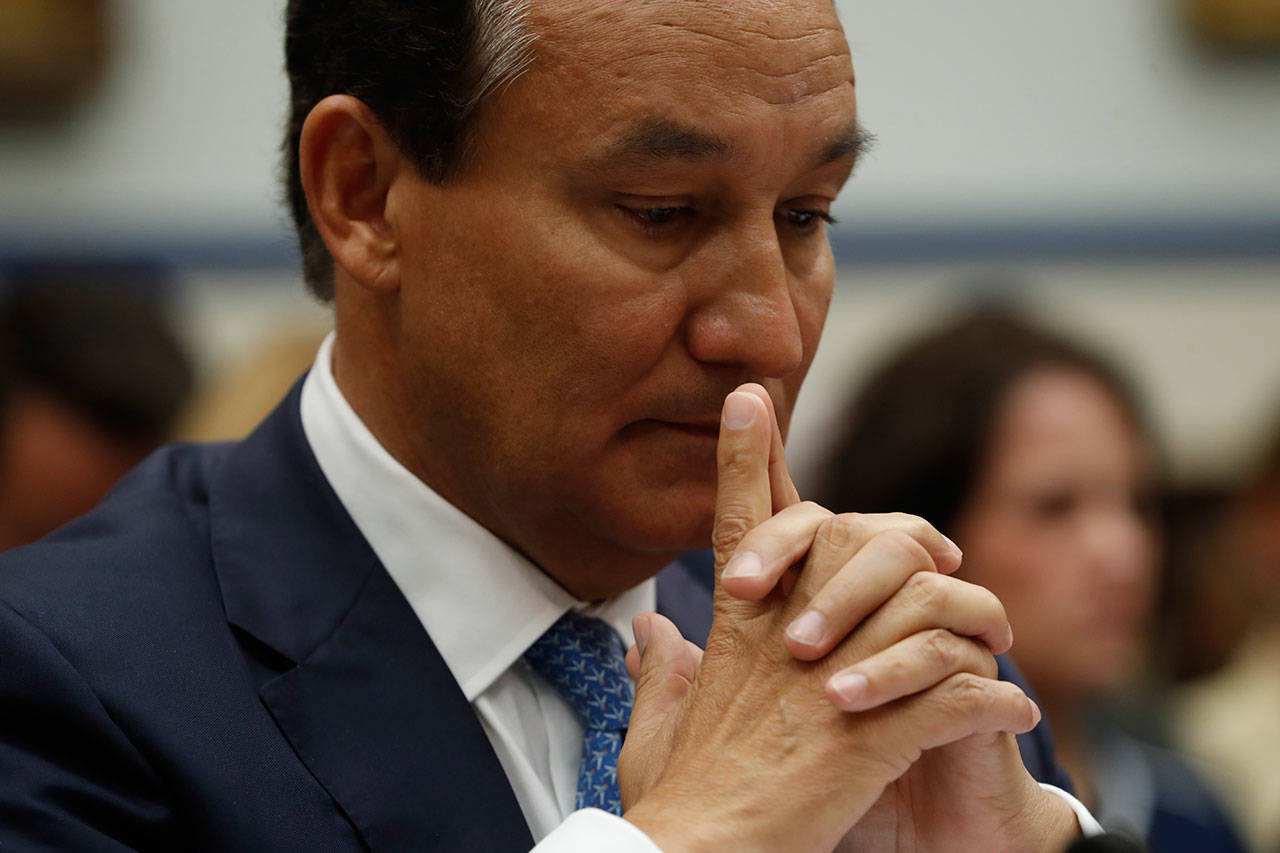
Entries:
{"x":698,"y":430}
{"x":702,"y":429}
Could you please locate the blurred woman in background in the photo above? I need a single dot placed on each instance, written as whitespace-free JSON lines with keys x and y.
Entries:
{"x":1032,"y":454}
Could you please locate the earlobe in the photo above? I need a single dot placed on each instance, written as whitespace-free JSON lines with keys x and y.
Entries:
{"x":348,"y":162}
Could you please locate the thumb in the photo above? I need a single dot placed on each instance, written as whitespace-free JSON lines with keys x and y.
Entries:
{"x":664,"y":664}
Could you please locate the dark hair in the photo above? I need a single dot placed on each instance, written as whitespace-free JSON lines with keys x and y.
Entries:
{"x":421,"y":66}
{"x":102,"y":347}
{"x":917,"y":434}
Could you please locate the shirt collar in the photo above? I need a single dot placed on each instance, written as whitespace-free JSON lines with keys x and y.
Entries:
{"x":482,"y":603}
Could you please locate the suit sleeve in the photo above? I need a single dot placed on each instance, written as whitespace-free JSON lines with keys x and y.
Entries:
{"x":69,"y":777}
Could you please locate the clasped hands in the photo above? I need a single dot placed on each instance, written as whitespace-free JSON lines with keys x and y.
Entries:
{"x":847,"y":697}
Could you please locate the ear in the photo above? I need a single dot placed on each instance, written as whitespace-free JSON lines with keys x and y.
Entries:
{"x":347,"y":163}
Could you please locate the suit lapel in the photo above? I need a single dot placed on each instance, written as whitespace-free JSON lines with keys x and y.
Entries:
{"x":685,"y":598}
{"x":369,"y":705}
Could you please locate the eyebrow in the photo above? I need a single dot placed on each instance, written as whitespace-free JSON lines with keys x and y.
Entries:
{"x":657,"y":138}
{"x":852,"y":142}
{"x":654,"y":138}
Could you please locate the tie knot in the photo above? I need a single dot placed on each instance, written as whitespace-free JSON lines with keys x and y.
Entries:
{"x":583,"y":658}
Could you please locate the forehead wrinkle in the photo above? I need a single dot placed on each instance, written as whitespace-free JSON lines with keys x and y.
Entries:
{"x":585,"y":31}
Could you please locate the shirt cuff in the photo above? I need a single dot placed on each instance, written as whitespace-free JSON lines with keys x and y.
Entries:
{"x":593,"y":830}
{"x":1089,"y":825}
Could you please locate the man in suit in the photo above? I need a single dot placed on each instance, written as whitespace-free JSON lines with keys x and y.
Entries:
{"x":578,"y":263}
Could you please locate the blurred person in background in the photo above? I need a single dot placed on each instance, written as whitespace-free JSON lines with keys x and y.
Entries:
{"x":1032,"y":454}
{"x":234,"y":399}
{"x":1231,"y":720}
{"x":91,"y":379}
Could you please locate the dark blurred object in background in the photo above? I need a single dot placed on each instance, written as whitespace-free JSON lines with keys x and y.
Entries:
{"x":1205,"y":607}
{"x":1231,"y":720}
{"x":1248,"y":25}
{"x":52,"y":53}
{"x":1033,"y":454}
{"x":91,"y":379}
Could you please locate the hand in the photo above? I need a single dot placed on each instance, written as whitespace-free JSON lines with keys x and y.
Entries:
{"x":972,"y":794}
{"x":743,"y":747}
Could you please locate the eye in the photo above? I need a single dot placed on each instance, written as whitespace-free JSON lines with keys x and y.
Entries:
{"x":806,"y":220}
{"x":657,"y":220}
{"x":1053,"y":506}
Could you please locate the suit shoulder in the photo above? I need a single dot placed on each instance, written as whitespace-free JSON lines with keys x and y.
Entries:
{"x":141,"y":547}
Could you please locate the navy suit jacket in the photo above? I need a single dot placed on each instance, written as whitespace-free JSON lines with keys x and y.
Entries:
{"x":215,"y":659}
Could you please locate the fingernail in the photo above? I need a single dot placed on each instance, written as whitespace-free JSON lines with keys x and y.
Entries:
{"x":744,"y":565}
{"x":1035,"y":713}
{"x":851,"y":686}
{"x":808,"y":629}
{"x":954,"y":546}
{"x":739,"y":410}
{"x":640,"y":627}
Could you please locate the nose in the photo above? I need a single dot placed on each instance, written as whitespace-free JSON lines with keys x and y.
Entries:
{"x":745,"y":307}
{"x":1122,"y":546}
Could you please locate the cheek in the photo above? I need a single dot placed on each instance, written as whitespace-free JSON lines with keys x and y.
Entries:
{"x":592,"y":322}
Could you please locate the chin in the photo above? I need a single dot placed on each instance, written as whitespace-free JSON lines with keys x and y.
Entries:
{"x":672,"y":523}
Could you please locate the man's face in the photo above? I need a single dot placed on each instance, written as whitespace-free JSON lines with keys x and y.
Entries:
{"x":640,"y":231}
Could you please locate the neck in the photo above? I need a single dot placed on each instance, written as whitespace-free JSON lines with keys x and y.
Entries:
{"x":1071,"y":742}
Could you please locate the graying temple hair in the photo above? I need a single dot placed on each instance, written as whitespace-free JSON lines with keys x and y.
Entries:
{"x":502,"y":49}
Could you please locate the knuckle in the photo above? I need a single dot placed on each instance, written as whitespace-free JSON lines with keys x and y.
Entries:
{"x":896,"y":670}
{"x":926,"y":591}
{"x":841,"y":532}
{"x":940,"y":649}
{"x":899,"y":546}
{"x":816,"y":508}
{"x":971,"y":693}
{"x":737,"y":456}
{"x":913,"y":525}
{"x":731,"y":525}
{"x":729,"y":641}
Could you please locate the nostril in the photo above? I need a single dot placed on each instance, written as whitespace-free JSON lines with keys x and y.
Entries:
{"x":761,"y":336}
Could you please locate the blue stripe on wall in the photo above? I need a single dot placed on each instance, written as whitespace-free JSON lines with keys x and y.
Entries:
{"x":1256,"y":237}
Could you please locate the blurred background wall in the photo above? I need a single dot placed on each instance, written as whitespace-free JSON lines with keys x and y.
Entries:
{"x":1102,"y":161}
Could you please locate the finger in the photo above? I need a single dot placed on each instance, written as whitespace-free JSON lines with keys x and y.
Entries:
{"x":966,"y":704}
{"x":930,"y":600}
{"x":870,"y":578}
{"x":782,"y":489}
{"x":911,"y":666}
{"x":844,"y":534}
{"x":663,"y":664}
{"x":743,"y":498}
{"x":768,"y":550}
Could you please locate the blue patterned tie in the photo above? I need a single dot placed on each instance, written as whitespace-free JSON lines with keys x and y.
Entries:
{"x":582,"y":657}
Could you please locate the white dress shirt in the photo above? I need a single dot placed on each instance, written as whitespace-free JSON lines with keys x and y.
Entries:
{"x":483,"y":604}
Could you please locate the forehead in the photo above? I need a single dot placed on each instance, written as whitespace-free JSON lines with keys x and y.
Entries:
{"x":680,"y":56}
{"x":1056,"y":413}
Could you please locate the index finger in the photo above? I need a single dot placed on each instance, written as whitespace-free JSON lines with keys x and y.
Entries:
{"x":743,"y":494}
{"x":781,"y":486}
